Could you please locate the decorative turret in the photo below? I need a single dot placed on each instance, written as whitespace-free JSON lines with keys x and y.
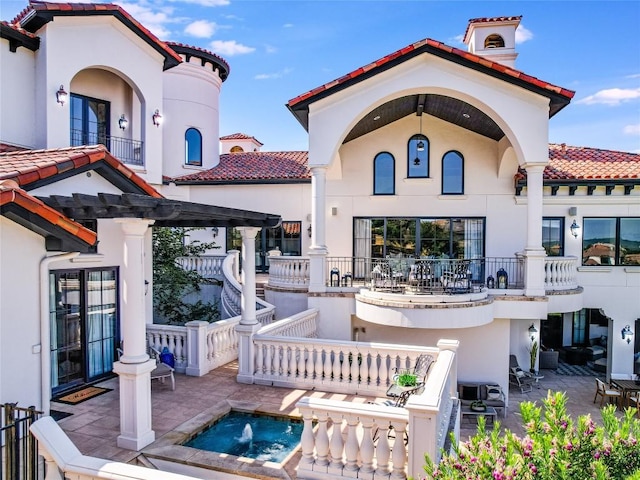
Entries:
{"x":493,"y":38}
{"x":239,"y":143}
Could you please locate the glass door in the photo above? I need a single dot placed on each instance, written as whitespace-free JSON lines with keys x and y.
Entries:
{"x":101,"y":322}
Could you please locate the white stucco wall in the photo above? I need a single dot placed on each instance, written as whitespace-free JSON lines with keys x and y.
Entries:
{"x":141,"y":68}
{"x":191,"y":100}
{"x":17,"y":85}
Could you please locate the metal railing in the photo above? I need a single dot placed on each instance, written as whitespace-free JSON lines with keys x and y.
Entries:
{"x":126,"y":150}
{"x":19,"y":457}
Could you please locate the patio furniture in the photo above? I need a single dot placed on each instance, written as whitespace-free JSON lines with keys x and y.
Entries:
{"x":489,"y":393}
{"x":490,"y":412}
{"x":604,"y":392}
{"x":420,"y":370}
{"x":518,"y":377}
{"x":457,"y":278}
{"x":161,"y":371}
{"x":627,"y":388}
{"x":549,"y":359}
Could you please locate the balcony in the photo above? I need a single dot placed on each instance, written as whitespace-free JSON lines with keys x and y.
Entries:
{"x":128,"y":151}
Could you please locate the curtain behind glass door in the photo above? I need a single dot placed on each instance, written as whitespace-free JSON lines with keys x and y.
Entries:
{"x":101,"y":321}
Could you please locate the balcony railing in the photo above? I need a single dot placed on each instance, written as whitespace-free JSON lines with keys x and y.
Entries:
{"x":126,"y":150}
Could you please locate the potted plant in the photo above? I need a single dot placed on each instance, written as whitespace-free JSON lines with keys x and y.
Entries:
{"x":533,"y":354}
{"x":407,"y":379}
{"x":478,"y":406}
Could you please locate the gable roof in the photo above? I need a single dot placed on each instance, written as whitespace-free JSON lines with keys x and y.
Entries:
{"x":18,"y":37}
{"x":240,"y":136}
{"x":559,"y":97}
{"x":253,"y":167}
{"x":60,"y":232}
{"x":35,"y":168}
{"x":583,"y":166}
{"x":38,"y":13}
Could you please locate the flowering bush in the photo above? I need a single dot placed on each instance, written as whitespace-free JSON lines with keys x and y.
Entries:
{"x":553,"y":447}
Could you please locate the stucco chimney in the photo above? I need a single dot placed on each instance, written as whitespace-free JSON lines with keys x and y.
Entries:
{"x":493,"y":38}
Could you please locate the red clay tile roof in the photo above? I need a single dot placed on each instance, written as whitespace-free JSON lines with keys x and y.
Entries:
{"x":437,"y":48}
{"x":11,"y":193}
{"x":254,"y":167}
{"x":240,"y":136}
{"x":46,"y":11}
{"x":6,"y":147}
{"x":18,"y":29}
{"x":489,"y":20}
{"x":190,"y":50}
{"x":583,"y":163}
{"x":27,"y":167}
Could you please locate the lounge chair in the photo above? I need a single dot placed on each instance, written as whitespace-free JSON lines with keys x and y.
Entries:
{"x":457,"y":278}
{"x":518,"y":377}
{"x":161,"y":371}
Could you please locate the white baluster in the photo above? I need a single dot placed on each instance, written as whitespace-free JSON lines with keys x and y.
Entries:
{"x":383,"y":452}
{"x":307,"y":440}
{"x":367,"y":448}
{"x":327,"y":368}
{"x":351,"y":447}
{"x":322,"y":440}
{"x":344,"y":365}
{"x":292,"y":362}
{"x":259,"y":360}
{"x":355,"y":367}
{"x":399,"y":455}
{"x":318,"y":365}
{"x":384,"y":369}
{"x":336,"y":447}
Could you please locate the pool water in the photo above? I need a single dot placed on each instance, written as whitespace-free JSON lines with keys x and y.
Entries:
{"x":262,"y":437}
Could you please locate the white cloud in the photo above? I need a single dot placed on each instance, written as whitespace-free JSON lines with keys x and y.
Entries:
{"x":230,"y":48}
{"x":611,"y":96}
{"x":201,"y":29}
{"x":632,"y":129}
{"x":271,"y":76}
{"x":152,"y":20}
{"x":523,"y":34}
{"x":457,"y":39}
{"x":287,"y":25}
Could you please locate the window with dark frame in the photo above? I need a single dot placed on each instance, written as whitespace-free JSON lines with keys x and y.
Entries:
{"x":89,"y":121}
{"x":384,"y":174}
{"x":452,"y":173}
{"x":553,"y":236}
{"x":611,"y":241}
{"x":418,"y":158}
{"x":193,"y":147}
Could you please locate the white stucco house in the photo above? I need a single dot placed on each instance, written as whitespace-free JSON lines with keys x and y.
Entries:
{"x":430,"y":205}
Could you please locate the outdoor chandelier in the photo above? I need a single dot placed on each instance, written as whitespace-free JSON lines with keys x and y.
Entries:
{"x":627,"y":333}
{"x":157,"y":118}
{"x":123,"y":122}
{"x":575,"y":229}
{"x":532,"y":332}
{"x":61,"y":96}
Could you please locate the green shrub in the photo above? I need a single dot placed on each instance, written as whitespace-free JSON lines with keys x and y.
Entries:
{"x":554,"y":447}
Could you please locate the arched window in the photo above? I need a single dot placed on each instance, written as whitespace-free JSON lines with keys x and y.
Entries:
{"x":494,"y":41}
{"x":452,"y":173}
{"x":236,"y":149}
{"x":192,"y":147}
{"x":384,"y":174}
{"x":418,"y":157}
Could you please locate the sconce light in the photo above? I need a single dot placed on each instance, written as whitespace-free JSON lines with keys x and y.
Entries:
{"x":214,"y":231}
{"x":532,"y":332}
{"x":157,"y":118}
{"x":575,"y":229}
{"x":123,"y":122}
{"x":627,"y":333}
{"x":334,"y":211}
{"x":146,"y":287}
{"x":61,"y":96}
{"x":309,"y":230}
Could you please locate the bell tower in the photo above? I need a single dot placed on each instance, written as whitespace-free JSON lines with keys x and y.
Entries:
{"x":493,"y":38}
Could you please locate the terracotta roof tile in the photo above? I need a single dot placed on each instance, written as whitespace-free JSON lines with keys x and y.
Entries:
{"x":583,"y":163}
{"x":179,"y":47}
{"x":254,"y":166}
{"x":490,"y":20}
{"x":29,"y":166}
{"x":440,"y":46}
{"x":18,"y":29}
{"x":10,"y":192}
{"x":6,"y":147}
{"x":240,"y":136}
{"x":86,"y":8}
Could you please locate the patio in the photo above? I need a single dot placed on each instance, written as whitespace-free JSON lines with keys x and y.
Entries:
{"x":94,"y":425}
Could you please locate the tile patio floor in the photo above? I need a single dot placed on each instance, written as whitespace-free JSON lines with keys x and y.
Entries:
{"x":94,"y":425}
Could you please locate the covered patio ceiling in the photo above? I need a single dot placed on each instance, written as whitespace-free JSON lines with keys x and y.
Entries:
{"x":165,"y":211}
{"x":449,"y":109}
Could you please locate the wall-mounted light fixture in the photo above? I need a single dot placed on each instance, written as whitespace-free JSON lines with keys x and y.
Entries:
{"x":214,"y":231}
{"x":334,"y":211}
{"x":146,"y":287}
{"x":123,"y":122}
{"x":157,"y":118}
{"x":627,"y":333}
{"x":61,"y":96}
{"x":575,"y":229}
{"x":309,"y":230}
{"x":532,"y":332}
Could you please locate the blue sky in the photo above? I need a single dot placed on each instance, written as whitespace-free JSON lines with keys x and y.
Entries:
{"x":280,"y":49}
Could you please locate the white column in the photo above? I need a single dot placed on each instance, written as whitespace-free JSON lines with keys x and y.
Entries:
{"x":248,"y":322}
{"x":318,"y":250}
{"x":134,"y":366}
{"x":534,"y":253}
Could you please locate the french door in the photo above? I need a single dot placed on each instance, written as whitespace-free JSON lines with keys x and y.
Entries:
{"x":89,"y":121}
{"x":83,"y":312}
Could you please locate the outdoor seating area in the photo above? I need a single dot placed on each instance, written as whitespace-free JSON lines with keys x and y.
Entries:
{"x":488,"y":394}
{"x":520,"y":378}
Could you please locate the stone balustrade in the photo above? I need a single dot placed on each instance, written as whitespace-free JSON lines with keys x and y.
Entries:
{"x":174,"y":338}
{"x":207,"y":266}
{"x":301,"y":325}
{"x":329,"y":365}
{"x":560,"y":273}
{"x":289,"y":272}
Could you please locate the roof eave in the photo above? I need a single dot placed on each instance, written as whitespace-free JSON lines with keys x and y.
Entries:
{"x":17,"y":39}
